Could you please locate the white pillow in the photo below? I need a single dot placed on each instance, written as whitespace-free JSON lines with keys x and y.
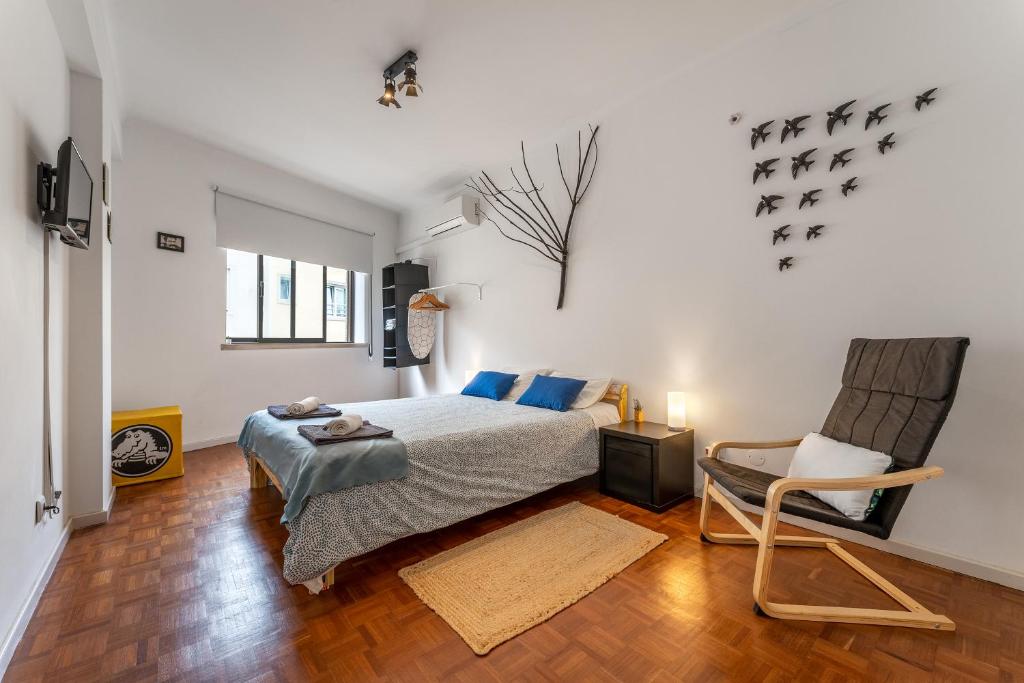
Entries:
{"x":593,"y":391}
{"x":819,"y":457}
{"x":522,"y":382}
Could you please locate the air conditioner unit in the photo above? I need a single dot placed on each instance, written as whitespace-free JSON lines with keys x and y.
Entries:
{"x":462,"y":210}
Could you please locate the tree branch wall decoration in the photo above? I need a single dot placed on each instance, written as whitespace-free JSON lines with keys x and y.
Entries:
{"x":523,"y":208}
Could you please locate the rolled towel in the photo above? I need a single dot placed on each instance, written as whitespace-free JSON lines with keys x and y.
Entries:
{"x":306,"y":405}
{"x":346,"y":424}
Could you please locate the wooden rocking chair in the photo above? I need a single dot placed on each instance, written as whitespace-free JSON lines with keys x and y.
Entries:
{"x":895,"y":396}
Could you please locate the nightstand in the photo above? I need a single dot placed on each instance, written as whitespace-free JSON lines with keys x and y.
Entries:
{"x":647,"y":464}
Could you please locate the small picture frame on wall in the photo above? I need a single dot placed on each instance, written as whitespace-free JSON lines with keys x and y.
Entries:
{"x":165,"y":240}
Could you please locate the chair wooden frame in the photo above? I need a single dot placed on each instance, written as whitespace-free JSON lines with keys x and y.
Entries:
{"x":914,"y":615}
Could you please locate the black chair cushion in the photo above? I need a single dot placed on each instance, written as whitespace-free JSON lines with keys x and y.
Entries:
{"x":895,"y":396}
{"x":751,"y":486}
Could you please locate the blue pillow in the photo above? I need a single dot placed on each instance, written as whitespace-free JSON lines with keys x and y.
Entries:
{"x":554,"y":393}
{"x":489,"y":384}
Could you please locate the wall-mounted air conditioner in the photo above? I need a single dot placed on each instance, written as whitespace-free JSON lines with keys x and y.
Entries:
{"x":462,"y":210}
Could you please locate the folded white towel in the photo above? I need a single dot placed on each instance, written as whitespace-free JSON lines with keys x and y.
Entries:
{"x":346,"y":424}
{"x":306,"y":405}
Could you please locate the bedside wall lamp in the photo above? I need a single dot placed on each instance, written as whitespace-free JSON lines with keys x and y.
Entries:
{"x":676,"y":411}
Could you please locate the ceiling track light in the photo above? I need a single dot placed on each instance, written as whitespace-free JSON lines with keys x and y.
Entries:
{"x":404,"y":66}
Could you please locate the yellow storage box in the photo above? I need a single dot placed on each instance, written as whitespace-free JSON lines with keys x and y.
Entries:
{"x":146,"y":445}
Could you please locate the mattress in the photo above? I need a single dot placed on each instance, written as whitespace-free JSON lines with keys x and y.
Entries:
{"x":467,"y":455}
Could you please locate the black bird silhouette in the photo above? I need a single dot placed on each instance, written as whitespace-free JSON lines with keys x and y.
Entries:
{"x":924,"y":98}
{"x":793,"y":126}
{"x":809,"y":198}
{"x":849,"y":186}
{"x":780,"y":234}
{"x":814,"y":232}
{"x":840,"y":159}
{"x":876,"y":116}
{"x":760,"y":133}
{"x":764,"y":168}
{"x":839,"y":114}
{"x":885,"y":143}
{"x":803,"y":161}
{"x":767,"y":204}
{"x":785,"y":262}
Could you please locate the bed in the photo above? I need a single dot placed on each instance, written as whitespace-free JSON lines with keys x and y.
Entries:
{"x":467,"y":455}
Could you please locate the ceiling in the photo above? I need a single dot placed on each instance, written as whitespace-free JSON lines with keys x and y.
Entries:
{"x":294,"y":84}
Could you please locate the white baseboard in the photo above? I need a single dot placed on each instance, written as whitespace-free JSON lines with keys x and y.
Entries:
{"x":28,"y":608}
{"x":209,"y":443}
{"x":94,"y":518}
{"x":961,"y":565}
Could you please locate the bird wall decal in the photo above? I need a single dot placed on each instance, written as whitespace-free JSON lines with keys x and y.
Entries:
{"x":839,"y":115}
{"x":760,"y":133}
{"x":809,"y":198}
{"x":780,"y":234}
{"x":885,"y":143}
{"x":814,"y":232}
{"x":803,"y":161}
{"x":793,"y":126}
{"x":849,"y":186}
{"x":764,"y":168}
{"x":876,"y":116}
{"x":841,"y":159}
{"x":924,"y":99}
{"x":785,"y":263}
{"x":767,"y":204}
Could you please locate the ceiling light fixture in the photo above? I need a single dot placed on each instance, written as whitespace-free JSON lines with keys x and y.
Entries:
{"x":388,"y":98}
{"x":406,"y":67}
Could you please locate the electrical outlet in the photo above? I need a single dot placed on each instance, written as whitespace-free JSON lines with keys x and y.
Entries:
{"x":756,"y":459}
{"x":40,"y":509}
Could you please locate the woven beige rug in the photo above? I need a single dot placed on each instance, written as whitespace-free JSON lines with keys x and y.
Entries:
{"x":495,"y":587}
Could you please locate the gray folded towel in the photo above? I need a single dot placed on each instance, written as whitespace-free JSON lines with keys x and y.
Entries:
{"x":306,"y":405}
{"x":280,"y":411}
{"x":320,"y":436}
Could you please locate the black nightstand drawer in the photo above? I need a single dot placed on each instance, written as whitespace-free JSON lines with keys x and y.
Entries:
{"x":647,"y":464}
{"x":627,"y":469}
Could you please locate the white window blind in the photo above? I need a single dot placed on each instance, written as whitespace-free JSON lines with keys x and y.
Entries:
{"x":248,"y":225}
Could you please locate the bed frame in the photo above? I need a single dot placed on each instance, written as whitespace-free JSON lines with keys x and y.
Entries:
{"x":260,"y":475}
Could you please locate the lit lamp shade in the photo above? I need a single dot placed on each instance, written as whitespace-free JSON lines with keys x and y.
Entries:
{"x":677,"y":411}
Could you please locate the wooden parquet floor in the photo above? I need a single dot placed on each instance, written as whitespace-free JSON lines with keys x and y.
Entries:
{"x":184,"y":584}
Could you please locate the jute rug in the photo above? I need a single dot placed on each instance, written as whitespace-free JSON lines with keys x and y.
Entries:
{"x":495,"y":587}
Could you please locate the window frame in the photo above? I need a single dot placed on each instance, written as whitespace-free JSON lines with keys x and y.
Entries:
{"x":292,"y":305}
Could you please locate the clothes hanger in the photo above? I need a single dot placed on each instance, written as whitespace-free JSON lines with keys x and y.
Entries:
{"x":430,"y":303}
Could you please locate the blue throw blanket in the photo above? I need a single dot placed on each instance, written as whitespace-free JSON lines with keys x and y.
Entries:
{"x":305,"y":470}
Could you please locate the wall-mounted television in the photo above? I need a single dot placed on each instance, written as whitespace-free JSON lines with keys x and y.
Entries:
{"x":64,"y":195}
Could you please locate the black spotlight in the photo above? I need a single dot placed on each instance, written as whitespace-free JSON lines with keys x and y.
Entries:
{"x":412,"y":87}
{"x":388,"y":98}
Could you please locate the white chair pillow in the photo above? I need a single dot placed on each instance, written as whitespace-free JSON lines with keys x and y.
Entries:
{"x":593,"y":391}
{"x":819,"y":457}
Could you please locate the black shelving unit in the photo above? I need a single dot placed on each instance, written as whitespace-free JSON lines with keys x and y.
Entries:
{"x":399,"y":281}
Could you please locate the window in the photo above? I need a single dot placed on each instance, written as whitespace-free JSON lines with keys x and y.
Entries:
{"x":337,"y":300}
{"x":277,"y":300}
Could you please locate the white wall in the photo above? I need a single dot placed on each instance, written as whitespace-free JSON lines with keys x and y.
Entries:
{"x":169,"y":308}
{"x":89,"y":501}
{"x":33,"y":123}
{"x":673,"y":283}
